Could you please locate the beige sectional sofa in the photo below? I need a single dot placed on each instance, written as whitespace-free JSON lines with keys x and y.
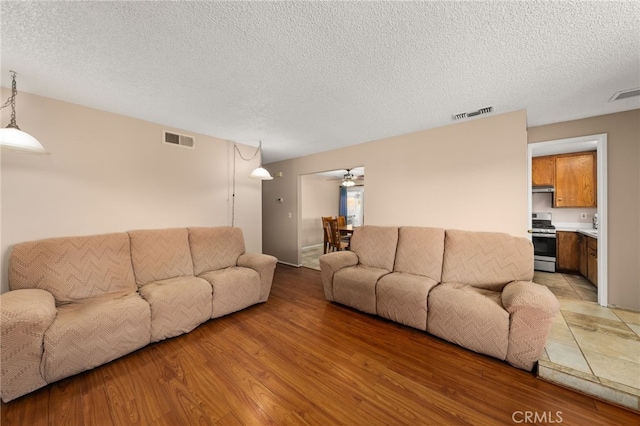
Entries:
{"x":79,"y":302}
{"x":470,"y":288}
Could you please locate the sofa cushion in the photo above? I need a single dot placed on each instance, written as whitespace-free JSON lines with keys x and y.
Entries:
{"x":215,"y":248}
{"x":355,"y":286}
{"x":469,"y":316}
{"x":158,"y":254}
{"x":91,"y":333}
{"x":178,"y":305}
{"x":375,"y":246}
{"x":486,"y":259}
{"x":74,"y":268}
{"x":402,"y":298}
{"x":420,"y":251}
{"x":234,"y":288}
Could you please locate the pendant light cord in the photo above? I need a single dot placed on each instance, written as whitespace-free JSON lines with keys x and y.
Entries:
{"x":12,"y":100}
{"x":233,"y":192}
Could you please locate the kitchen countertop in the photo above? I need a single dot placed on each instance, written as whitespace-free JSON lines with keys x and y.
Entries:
{"x":582,"y":228}
{"x":593,"y":233}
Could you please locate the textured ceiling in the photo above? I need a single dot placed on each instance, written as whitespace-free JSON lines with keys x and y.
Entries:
{"x":306,"y":77}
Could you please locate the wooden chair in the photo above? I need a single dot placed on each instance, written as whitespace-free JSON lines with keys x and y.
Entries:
{"x":342,"y":221}
{"x":333,"y":235}
{"x":325,"y":220}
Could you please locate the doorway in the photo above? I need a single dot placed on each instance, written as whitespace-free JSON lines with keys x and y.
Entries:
{"x":320,"y":195}
{"x":583,"y":143}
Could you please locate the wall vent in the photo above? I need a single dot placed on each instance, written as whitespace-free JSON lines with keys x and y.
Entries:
{"x":481,"y":111}
{"x":623,"y":94}
{"x":179,"y":140}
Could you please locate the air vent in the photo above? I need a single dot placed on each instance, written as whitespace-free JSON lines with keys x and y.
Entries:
{"x":625,"y":94}
{"x":179,"y":140}
{"x":481,"y":111}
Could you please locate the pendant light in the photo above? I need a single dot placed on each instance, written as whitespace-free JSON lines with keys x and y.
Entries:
{"x":12,"y":137}
{"x":260,"y":172}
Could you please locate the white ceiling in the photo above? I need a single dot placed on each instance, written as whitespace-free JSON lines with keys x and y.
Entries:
{"x":306,"y":77}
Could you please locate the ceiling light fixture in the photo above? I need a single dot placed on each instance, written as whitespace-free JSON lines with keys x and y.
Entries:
{"x":348,"y":179}
{"x":260,"y":172}
{"x":12,"y":137}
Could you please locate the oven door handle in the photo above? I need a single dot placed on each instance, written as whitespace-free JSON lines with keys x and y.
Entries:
{"x":544,"y":235}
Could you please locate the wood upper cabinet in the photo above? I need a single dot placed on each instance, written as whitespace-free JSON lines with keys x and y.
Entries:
{"x":567,"y":251}
{"x":575,"y":180}
{"x":542,"y":170}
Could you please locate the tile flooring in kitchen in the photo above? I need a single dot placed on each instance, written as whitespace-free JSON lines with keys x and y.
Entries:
{"x":592,"y":349}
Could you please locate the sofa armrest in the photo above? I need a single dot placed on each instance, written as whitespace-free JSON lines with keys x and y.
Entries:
{"x":265,"y":265}
{"x":532,"y":308}
{"x":26,"y":315}
{"x":330,"y":263}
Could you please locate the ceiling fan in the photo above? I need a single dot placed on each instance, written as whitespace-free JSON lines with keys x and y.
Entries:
{"x":348,"y":179}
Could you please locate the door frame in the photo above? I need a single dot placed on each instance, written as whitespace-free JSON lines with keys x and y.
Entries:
{"x":602,"y":178}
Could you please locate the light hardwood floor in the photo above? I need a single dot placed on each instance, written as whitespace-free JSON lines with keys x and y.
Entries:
{"x":299,"y":359}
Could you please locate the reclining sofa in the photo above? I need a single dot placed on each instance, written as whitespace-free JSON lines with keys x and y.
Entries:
{"x":79,"y":302}
{"x":473,"y":289}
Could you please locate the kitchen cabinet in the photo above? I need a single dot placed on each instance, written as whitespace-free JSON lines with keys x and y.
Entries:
{"x":567,"y":251}
{"x":592,"y":260}
{"x":543,"y":170}
{"x":575,"y":180}
{"x":588,"y":258}
{"x":582,"y":244}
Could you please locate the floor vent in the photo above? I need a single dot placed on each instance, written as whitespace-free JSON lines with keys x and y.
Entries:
{"x":625,"y":94}
{"x":180,"y":140}
{"x":481,"y":111}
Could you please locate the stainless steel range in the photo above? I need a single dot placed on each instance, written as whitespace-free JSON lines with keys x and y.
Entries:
{"x":544,"y":242}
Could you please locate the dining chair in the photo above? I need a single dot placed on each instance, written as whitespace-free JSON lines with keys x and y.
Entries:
{"x":325,"y":220}
{"x":342,"y":221}
{"x":333,"y":234}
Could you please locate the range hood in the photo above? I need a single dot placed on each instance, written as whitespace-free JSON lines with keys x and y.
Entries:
{"x":543,"y":188}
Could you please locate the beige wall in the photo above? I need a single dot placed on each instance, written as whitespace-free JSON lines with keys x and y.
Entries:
{"x":110,"y":173}
{"x":470,"y":175}
{"x":319,"y":197}
{"x":623,"y":164}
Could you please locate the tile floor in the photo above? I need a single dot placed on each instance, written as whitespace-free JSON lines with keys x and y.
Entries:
{"x":310,"y":256}
{"x":592,"y":349}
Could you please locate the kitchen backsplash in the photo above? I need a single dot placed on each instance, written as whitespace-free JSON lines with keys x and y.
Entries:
{"x":542,"y":203}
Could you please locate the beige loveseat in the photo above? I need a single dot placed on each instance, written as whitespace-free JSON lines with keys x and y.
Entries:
{"x":470,"y":288}
{"x":79,"y":302}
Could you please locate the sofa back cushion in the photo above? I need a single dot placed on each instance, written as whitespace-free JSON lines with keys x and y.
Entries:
{"x":74,"y":268}
{"x":486,"y":259}
{"x":420,"y":251}
{"x":375,"y":245}
{"x":160,"y":254}
{"x":215,"y":248}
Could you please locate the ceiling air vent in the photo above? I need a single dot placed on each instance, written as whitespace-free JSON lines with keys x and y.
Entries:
{"x":481,"y":111}
{"x":625,"y":94}
{"x":180,"y":140}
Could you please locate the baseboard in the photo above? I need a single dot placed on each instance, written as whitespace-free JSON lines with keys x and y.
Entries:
{"x":290,"y":264}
